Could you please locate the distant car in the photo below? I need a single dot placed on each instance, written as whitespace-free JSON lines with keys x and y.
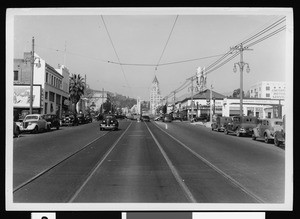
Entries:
{"x":167,"y":118}
{"x":69,"y":120}
{"x":88,"y":118}
{"x":220,"y":123}
{"x":53,"y":120}
{"x":266,"y":129}
{"x":34,"y":123}
{"x":109,"y":122}
{"x":241,"y":125}
{"x":81,"y":118}
{"x":16,"y":130}
{"x":146,"y":118}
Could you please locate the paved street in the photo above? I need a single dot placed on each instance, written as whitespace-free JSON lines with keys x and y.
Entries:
{"x":151,"y":162}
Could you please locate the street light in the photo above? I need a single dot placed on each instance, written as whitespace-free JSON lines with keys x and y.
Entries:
{"x":32,"y":62}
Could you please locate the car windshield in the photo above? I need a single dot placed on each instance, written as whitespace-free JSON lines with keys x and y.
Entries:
{"x":31,"y":118}
{"x":146,"y":117}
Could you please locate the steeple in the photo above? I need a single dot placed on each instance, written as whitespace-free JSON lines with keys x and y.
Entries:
{"x":155,"y":80}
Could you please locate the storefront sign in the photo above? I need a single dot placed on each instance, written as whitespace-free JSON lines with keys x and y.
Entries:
{"x":22,"y":96}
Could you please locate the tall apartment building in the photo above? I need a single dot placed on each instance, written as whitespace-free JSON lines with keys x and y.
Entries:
{"x":155,"y":96}
{"x":268,"y":89}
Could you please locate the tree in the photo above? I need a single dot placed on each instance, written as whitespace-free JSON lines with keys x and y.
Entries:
{"x":76,"y":89}
{"x":236,"y":93}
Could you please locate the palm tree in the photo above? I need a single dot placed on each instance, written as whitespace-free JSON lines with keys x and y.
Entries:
{"x":76,"y":89}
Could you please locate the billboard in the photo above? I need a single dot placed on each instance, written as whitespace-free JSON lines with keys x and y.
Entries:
{"x":22,"y":96}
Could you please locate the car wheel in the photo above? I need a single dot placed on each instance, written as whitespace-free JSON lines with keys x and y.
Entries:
{"x":253,"y":137}
{"x":48,"y":128}
{"x":57,"y":127}
{"x":276,"y":142}
{"x":267,"y":140}
{"x":35,"y":130}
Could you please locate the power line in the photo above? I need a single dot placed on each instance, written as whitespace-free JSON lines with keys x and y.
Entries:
{"x":114,"y":49}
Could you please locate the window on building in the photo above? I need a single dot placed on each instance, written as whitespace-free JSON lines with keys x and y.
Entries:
{"x":51,"y":96}
{"x":267,"y":87}
{"x":46,"y":95}
{"x":51,"y":79}
{"x":267,"y":95}
{"x":47,"y":75}
{"x":46,"y":107}
{"x":16,"y":75}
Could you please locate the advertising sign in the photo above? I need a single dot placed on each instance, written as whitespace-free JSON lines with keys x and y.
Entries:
{"x":22,"y":96}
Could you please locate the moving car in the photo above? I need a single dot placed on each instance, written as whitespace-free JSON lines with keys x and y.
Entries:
{"x":53,"y":120}
{"x":241,"y":125}
{"x":109,"y":122}
{"x":69,"y":120}
{"x":145,"y":118}
{"x":167,"y":118}
{"x":266,"y":129}
{"x":81,"y":118}
{"x":34,"y":123}
{"x":220,"y":123}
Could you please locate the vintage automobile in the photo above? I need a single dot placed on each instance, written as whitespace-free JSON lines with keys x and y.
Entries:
{"x":266,"y":129}
{"x":109,"y":122}
{"x":81,"y":118}
{"x":53,"y":120}
{"x":220,"y":122}
{"x":279,"y":136}
{"x":69,"y":120}
{"x":145,"y":118}
{"x":88,"y":118}
{"x":167,"y":118}
{"x":241,"y":125}
{"x":34,"y":123}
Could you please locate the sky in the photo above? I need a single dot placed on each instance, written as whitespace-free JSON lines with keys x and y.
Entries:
{"x":88,"y":42}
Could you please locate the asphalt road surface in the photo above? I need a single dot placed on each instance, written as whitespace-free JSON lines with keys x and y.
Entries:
{"x":145,"y":162}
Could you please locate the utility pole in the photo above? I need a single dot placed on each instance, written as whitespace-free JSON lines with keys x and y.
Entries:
{"x":31,"y":78}
{"x":241,"y":65}
{"x":210,"y":108}
{"x":192,"y":105}
{"x":174,"y":101}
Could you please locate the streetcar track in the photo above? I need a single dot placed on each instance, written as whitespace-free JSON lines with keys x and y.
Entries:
{"x":92,"y":172}
{"x":225,"y":175}
{"x":178,"y":178}
{"x":17,"y":188}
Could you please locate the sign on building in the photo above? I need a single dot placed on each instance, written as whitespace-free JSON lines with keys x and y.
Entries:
{"x":278,"y":94}
{"x":22,"y":96}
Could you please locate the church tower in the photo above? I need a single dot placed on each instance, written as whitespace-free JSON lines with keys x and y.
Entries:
{"x":155,"y":96}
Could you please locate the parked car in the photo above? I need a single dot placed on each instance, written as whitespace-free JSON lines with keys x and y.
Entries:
{"x":88,"y":118}
{"x":266,"y":129}
{"x":69,"y":120}
{"x":145,"y":118}
{"x":16,"y":130}
{"x":202,"y":118}
{"x":167,"y":118}
{"x":220,"y":123}
{"x":109,"y":122}
{"x":53,"y":120}
{"x":34,"y":123}
{"x":279,"y":136}
{"x":241,"y":125}
{"x":81,"y":118}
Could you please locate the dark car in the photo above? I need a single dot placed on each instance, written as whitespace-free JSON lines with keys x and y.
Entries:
{"x":109,"y":122}
{"x":145,"y":118}
{"x":241,"y":125}
{"x":167,"y":118}
{"x":53,"y":120}
{"x":69,"y":120}
{"x":220,"y":123}
{"x":88,"y":118}
{"x":81,"y":118}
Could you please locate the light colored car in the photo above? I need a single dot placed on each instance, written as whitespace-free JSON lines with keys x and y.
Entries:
{"x":266,"y":129}
{"x":34,"y":123}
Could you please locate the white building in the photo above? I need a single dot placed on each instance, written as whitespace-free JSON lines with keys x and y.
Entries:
{"x":268,"y":89}
{"x":155,"y":96}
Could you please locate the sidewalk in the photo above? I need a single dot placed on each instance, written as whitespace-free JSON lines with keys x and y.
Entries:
{"x":206,"y":124}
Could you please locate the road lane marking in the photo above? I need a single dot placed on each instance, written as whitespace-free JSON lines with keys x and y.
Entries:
{"x":98,"y":165}
{"x":47,"y":170}
{"x":233,"y":181}
{"x":178,"y":178}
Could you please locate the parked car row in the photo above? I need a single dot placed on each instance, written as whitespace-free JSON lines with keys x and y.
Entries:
{"x":35,"y":123}
{"x":270,"y":130}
